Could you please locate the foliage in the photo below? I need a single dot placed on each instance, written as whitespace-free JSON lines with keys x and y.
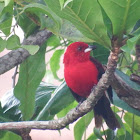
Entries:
{"x":91,"y":21}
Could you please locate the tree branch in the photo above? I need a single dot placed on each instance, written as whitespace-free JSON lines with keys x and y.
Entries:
{"x":74,"y":114}
{"x":16,"y":57}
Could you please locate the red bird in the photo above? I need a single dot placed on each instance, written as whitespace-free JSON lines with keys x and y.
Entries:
{"x":82,"y":72}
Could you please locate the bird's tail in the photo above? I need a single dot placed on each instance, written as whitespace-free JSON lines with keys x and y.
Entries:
{"x":102,"y":110}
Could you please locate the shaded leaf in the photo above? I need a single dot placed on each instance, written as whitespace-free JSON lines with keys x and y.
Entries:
{"x":3,"y":117}
{"x":98,"y":134}
{"x":126,"y":78}
{"x":27,"y":25}
{"x":61,"y":98}
{"x":7,"y":135}
{"x":120,"y":103}
{"x":101,"y":54}
{"x":63,"y":112}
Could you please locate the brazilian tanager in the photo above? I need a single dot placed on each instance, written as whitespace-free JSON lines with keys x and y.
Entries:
{"x":82,"y":72}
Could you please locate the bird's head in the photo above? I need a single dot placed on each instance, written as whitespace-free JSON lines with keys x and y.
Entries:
{"x":77,"y":52}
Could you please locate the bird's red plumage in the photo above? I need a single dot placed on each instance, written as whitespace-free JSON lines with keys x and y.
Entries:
{"x":81,"y":77}
{"x":81,"y":74}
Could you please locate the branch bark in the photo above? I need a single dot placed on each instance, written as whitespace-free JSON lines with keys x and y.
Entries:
{"x":74,"y":114}
{"x":16,"y":57}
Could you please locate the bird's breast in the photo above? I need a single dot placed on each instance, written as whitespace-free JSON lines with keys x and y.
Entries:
{"x":81,"y":77}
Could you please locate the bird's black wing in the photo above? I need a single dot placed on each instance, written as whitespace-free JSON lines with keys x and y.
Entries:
{"x":101,"y":72}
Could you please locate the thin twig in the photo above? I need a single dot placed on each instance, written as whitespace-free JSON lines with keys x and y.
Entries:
{"x":14,"y":76}
{"x":122,"y":114}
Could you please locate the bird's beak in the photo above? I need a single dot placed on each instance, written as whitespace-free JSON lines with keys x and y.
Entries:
{"x":93,"y":47}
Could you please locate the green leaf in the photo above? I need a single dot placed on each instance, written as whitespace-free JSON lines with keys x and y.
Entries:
{"x":54,"y":62}
{"x":13,"y":42}
{"x":92,"y":137}
{"x":98,"y":134}
{"x":61,"y":98}
{"x":61,"y":3}
{"x":110,"y":134}
{"x":107,"y":22}
{"x":2,"y":44}
{"x":31,"y":73}
{"x":81,"y":126}
{"x":7,"y":2}
{"x":55,"y":24}
{"x":1,"y":6}
{"x":3,"y":117}
{"x":86,"y":16}
{"x":43,"y":95}
{"x":27,"y":25}
{"x":6,"y":17}
{"x":32,"y":49}
{"x":8,"y":135}
{"x":130,"y":46}
{"x":128,"y":117}
{"x":123,"y":13}
{"x":53,"y":41}
{"x":63,"y":112}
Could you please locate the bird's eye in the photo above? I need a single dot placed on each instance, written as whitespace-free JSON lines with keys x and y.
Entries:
{"x":79,"y":48}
